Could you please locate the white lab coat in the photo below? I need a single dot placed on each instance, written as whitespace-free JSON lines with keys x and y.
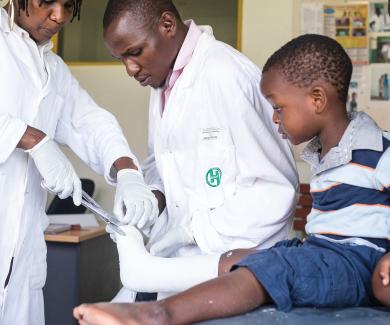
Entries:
{"x":54,"y":103}
{"x":215,"y":118}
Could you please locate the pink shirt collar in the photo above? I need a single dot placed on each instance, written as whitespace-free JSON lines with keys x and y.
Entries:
{"x":186,"y":51}
{"x":183,"y":58}
{"x":188,"y":47}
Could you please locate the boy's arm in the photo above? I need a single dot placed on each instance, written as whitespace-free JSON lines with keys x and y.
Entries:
{"x":381,"y":280}
{"x":231,"y":294}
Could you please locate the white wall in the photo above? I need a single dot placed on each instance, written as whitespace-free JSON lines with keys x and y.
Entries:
{"x":267,"y":25}
{"x":112,"y":89}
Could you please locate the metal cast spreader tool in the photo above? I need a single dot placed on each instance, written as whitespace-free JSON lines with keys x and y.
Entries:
{"x":92,"y":205}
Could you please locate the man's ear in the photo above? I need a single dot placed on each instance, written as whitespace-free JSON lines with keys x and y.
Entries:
{"x":167,"y":24}
{"x":319,"y":98}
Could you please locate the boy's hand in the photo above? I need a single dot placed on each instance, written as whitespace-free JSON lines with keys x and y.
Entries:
{"x":384,"y":270}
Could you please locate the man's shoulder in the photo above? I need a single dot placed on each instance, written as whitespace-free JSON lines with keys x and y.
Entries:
{"x":224,"y":62}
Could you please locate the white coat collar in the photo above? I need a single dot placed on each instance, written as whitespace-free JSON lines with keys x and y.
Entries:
{"x":4,"y":26}
{"x":190,"y":72}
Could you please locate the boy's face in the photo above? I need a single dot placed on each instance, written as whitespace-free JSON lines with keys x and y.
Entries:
{"x":294,"y":110}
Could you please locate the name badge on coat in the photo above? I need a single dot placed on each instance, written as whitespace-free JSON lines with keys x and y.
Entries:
{"x":211,"y":156}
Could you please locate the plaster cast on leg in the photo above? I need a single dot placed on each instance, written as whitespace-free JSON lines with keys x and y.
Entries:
{"x":124,"y":295}
{"x":140,"y":271}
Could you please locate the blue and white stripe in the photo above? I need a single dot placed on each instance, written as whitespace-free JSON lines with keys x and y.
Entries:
{"x":353,"y":198}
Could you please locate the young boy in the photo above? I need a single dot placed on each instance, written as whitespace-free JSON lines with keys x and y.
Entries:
{"x":306,"y":81}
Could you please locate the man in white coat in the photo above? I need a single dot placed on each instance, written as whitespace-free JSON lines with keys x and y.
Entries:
{"x":41,"y":104}
{"x":228,"y":179}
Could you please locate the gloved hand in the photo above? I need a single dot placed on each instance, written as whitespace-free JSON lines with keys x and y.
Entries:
{"x":114,"y":235}
{"x":173,"y":240}
{"x":135,"y":203}
{"x":131,"y":244}
{"x":111,"y":232}
{"x":56,"y":170}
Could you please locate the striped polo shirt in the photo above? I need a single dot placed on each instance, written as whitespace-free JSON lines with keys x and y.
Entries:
{"x":350,"y":186}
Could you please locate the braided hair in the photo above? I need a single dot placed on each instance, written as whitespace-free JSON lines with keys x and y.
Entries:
{"x":23,"y":5}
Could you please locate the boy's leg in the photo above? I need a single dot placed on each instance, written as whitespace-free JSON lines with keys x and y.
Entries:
{"x":233,"y":293}
{"x":227,"y":260}
{"x":381,"y":280}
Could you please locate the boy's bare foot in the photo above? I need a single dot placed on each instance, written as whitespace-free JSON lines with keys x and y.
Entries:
{"x":121,"y":314}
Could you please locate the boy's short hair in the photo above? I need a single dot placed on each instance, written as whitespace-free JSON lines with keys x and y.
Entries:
{"x":312,"y":57}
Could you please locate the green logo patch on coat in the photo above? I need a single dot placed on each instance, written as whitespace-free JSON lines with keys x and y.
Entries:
{"x":213,"y":177}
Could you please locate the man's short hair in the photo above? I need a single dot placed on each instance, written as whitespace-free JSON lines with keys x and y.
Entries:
{"x":147,"y":11}
{"x":312,"y":57}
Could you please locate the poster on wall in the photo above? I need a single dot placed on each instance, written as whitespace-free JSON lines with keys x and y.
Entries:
{"x":353,"y":97}
{"x":312,"y":18}
{"x":356,"y":91}
{"x":379,"y":19}
{"x":380,"y":75}
{"x":348,"y":24}
{"x":379,"y":48}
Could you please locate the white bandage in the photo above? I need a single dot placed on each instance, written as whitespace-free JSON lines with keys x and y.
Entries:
{"x":124,"y":296}
{"x":140,"y":271}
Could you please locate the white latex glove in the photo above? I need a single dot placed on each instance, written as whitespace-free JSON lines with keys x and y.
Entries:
{"x":132,"y":234}
{"x":111,"y":232}
{"x":131,"y":244}
{"x":173,"y":240}
{"x":135,"y":203}
{"x":114,"y":235}
{"x":56,"y":170}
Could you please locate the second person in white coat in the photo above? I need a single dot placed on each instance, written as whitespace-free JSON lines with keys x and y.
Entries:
{"x":42,"y":104}
{"x":228,"y":178}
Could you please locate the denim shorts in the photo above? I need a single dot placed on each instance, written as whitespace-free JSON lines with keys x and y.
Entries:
{"x":316,"y":272}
